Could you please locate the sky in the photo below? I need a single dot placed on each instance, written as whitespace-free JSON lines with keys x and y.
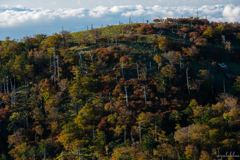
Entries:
{"x":19,"y":18}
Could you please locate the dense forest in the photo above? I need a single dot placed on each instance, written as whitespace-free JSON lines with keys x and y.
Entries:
{"x":162,"y":90}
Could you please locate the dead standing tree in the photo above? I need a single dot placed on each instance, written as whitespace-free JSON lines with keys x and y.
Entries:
{"x":53,"y":76}
{"x":57,"y":63}
{"x":79,"y":53}
{"x":126,"y":95}
{"x":54,"y":63}
{"x":145,"y":95}
{"x":137,"y":71}
{"x":56,"y":68}
{"x":95,"y":34}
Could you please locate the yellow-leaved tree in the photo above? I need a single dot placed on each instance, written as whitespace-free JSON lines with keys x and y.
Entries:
{"x":164,"y":43}
{"x":208,"y":33}
{"x":169,"y":71}
{"x":205,"y":156}
{"x":76,"y":134}
{"x":158,"y":60}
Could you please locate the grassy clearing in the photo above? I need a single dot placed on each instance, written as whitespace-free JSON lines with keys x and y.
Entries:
{"x":109,"y":31}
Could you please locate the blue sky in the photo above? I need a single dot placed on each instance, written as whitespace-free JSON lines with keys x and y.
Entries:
{"x":19,"y":18}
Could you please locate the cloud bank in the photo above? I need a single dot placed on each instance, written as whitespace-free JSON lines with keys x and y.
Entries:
{"x":17,"y":22}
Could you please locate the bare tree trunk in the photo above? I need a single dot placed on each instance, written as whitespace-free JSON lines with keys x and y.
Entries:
{"x":26,"y":121}
{"x":144,"y":87}
{"x":11,"y":84}
{"x":12,"y":99}
{"x":45,"y":154}
{"x":58,"y":67}
{"x":79,"y":153}
{"x":137,"y":71}
{"x":126,"y":95}
{"x":80,"y":58}
{"x":54,"y":64}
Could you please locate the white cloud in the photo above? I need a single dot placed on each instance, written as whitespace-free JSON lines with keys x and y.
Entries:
{"x":19,"y":21}
{"x":231,"y":13}
{"x":98,"y":11}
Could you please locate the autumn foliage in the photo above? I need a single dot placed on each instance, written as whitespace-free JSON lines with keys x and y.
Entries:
{"x":135,"y":91}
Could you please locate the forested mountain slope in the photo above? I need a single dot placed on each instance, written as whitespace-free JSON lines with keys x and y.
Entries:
{"x":135,"y":91}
